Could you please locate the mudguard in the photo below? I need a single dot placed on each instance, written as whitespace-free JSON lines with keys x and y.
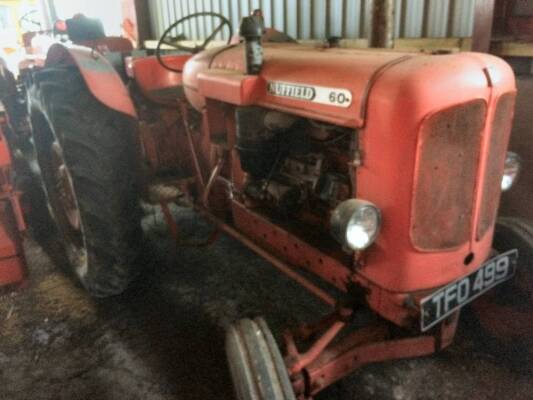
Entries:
{"x":101,"y":78}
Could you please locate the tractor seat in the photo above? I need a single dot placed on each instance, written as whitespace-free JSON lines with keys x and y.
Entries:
{"x":158,"y":84}
{"x":167,"y":96}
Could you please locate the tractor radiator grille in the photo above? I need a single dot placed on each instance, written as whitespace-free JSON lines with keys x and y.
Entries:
{"x":445,"y":178}
{"x":501,"y":129}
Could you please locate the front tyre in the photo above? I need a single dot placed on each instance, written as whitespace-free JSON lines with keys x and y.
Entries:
{"x":255,"y":362}
{"x":505,"y":314}
{"x":88,"y":157}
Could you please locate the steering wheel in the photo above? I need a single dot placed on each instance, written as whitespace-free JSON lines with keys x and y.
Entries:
{"x":174,"y":41}
{"x":27,"y":22}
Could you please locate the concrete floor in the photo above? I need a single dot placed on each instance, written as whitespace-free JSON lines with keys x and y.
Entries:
{"x":164,"y":338}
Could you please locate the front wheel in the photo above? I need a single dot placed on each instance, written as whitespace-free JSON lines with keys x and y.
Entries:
{"x":505,"y":314}
{"x":255,"y":362}
{"x":87,"y":156}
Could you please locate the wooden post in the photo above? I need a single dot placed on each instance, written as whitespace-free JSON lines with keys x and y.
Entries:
{"x":136,"y":21}
{"x":483,"y":19}
{"x":382,"y":28}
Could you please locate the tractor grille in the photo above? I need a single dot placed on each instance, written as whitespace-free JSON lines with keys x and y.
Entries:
{"x":445,"y":177}
{"x":501,"y":129}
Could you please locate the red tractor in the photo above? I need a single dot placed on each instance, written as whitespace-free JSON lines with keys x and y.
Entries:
{"x":378,"y":172}
{"x":12,"y":223}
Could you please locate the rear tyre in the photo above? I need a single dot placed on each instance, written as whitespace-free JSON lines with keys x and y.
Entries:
{"x":87,"y":156}
{"x":255,"y":362}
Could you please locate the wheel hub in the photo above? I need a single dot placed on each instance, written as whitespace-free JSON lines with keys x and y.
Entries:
{"x":65,"y":188}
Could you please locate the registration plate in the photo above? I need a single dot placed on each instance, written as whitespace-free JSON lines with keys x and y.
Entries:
{"x":452,"y":297}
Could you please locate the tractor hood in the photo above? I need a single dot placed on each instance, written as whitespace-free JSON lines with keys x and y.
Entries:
{"x":328,"y":84}
{"x":339,"y":85}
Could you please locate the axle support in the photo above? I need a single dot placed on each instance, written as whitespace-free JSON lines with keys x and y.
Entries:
{"x":324,"y":365}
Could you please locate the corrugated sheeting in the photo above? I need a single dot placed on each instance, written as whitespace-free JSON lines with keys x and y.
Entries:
{"x":318,"y":19}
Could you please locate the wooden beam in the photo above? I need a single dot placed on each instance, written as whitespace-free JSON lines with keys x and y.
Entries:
{"x":454,"y":44}
{"x":512,"y":48}
{"x":382,"y":28}
{"x":483,"y":19}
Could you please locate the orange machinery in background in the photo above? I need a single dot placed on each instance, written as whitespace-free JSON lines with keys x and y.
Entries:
{"x":11,"y":218}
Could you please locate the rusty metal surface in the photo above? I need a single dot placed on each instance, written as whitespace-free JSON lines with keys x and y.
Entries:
{"x":447,"y":163}
{"x":299,"y":361}
{"x":291,"y":248}
{"x":276,"y":262}
{"x":368,"y":345}
{"x":499,"y":140}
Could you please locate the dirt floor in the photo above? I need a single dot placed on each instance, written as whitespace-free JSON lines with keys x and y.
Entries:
{"x":164,"y":338}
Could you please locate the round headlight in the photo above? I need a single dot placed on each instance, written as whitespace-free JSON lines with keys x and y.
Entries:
{"x":511,"y":170}
{"x":355,"y":223}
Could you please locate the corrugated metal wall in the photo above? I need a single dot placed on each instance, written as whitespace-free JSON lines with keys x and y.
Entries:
{"x":318,"y":19}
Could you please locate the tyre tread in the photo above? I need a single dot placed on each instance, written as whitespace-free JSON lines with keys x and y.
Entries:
{"x":100,"y":152}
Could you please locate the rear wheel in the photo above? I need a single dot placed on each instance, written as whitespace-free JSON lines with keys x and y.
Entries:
{"x":87,"y":157}
{"x":255,"y":362}
{"x":517,"y":233}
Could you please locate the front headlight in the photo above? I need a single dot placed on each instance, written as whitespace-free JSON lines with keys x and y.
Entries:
{"x":355,"y":223}
{"x":511,"y":170}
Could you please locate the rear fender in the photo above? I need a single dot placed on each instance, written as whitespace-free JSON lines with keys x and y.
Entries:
{"x":109,"y":43}
{"x":99,"y":75}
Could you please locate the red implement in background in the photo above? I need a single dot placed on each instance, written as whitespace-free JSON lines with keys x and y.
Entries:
{"x":11,"y":219}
